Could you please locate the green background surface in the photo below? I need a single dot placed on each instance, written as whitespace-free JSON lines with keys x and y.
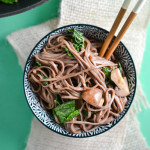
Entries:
{"x":15,"y":115}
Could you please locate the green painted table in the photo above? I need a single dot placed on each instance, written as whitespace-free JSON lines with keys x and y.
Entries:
{"x":15,"y":116}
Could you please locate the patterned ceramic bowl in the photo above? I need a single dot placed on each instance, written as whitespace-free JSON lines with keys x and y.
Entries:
{"x":121,"y":53}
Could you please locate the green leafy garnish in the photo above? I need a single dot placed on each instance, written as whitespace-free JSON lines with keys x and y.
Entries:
{"x":9,"y":1}
{"x":85,"y":113}
{"x":57,"y":101}
{"x":77,"y":39}
{"x":45,"y":82}
{"x":66,"y":111}
{"x":107,"y":72}
{"x":120,"y":68}
{"x":38,"y":63}
{"x":53,"y":111}
{"x":69,"y":54}
{"x":44,"y":77}
{"x":69,"y":30}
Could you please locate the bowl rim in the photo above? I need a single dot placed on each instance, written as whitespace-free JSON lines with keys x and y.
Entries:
{"x":55,"y":31}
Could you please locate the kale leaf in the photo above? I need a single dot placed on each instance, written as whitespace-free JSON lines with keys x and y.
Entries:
{"x":69,"y":54}
{"x":44,"y":77}
{"x":45,"y":82}
{"x":107,"y":72}
{"x":66,"y":111}
{"x":38,"y":63}
{"x":120,"y":68}
{"x":9,"y":1}
{"x":57,"y":101}
{"x":85,"y":113}
{"x":77,"y":39}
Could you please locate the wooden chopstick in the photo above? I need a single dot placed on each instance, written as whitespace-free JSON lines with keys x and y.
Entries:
{"x":126,"y":25}
{"x":114,"y":27}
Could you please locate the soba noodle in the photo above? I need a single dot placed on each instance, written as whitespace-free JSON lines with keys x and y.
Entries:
{"x":69,"y":76}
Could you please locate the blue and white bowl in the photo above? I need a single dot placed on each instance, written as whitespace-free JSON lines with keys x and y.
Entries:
{"x":121,"y":53}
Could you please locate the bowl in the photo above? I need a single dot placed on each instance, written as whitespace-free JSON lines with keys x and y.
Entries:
{"x":121,"y":53}
{"x":20,"y":6}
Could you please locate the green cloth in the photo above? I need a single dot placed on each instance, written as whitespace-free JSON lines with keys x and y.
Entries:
{"x":15,"y":114}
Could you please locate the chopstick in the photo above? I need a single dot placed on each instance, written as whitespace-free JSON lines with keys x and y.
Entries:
{"x":114,"y":27}
{"x":126,"y":25}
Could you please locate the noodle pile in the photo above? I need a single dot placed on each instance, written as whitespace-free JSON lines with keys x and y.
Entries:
{"x":69,"y":76}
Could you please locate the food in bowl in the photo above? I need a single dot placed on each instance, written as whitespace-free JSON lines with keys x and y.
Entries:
{"x":80,"y":89}
{"x":9,"y":1}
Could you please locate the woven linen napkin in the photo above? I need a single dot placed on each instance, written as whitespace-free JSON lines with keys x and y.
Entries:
{"x":126,"y":134}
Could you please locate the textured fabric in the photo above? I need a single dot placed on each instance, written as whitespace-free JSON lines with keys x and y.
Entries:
{"x":133,"y":138}
{"x":100,"y":13}
{"x":49,"y":140}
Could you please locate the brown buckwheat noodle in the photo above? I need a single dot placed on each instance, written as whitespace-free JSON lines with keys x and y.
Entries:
{"x":70,"y":76}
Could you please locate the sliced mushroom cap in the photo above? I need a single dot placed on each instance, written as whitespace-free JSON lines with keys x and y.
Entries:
{"x":93,"y":97}
{"x":122,"y":92}
{"x":121,"y":82}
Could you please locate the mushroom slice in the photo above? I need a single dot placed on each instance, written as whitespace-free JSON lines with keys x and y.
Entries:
{"x":93,"y":97}
{"x":121,"y":82}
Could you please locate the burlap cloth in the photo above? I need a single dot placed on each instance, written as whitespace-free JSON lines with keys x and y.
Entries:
{"x":125,"y":135}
